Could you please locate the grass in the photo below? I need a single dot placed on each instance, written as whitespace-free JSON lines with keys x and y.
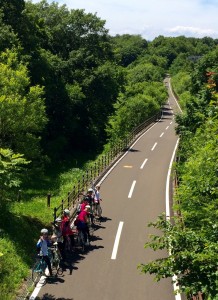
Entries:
{"x":21,"y":222}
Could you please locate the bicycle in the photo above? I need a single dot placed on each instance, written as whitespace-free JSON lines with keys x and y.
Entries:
{"x":82,"y":240}
{"x":97,"y":210}
{"x":38,"y":269}
{"x":56,"y":258}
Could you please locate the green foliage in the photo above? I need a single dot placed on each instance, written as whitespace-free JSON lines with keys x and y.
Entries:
{"x":127,"y":48}
{"x":8,"y":38}
{"x":145,"y":72}
{"x":181,"y":63}
{"x":139,"y":102}
{"x":191,"y":257}
{"x":136,"y":110}
{"x":198,"y":192}
{"x":12,"y":12}
{"x":22,"y":110}
{"x":10,"y":168}
{"x":10,"y":262}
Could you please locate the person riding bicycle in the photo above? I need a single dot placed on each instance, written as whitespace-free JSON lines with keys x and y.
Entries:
{"x":66,"y":229}
{"x":82,"y":223}
{"x":42,"y":246}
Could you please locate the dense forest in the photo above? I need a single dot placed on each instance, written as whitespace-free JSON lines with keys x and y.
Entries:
{"x":68,"y":91}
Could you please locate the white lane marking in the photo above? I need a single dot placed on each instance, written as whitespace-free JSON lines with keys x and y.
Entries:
{"x":143,"y":164}
{"x":153,"y":146}
{"x":167,"y":201}
{"x":162,"y":134}
{"x":174,"y":96}
{"x":131,"y":189}
{"x":117,"y":239}
{"x":38,"y":287}
{"x":167,"y":196}
{"x":171,"y":122}
{"x":167,"y":127}
{"x":111,"y":169}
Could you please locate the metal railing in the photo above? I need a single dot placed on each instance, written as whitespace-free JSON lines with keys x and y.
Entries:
{"x":94,"y":173}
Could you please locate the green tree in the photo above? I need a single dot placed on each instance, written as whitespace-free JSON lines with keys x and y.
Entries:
{"x":145,"y":72}
{"x":127,"y":48}
{"x":139,"y":102}
{"x":22,"y":109}
{"x":12,"y":12}
{"x":11,"y":167}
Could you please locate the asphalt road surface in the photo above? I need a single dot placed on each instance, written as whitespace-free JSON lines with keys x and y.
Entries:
{"x":134,"y":193}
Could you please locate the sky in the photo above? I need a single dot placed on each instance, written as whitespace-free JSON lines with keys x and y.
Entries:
{"x":151,"y":18}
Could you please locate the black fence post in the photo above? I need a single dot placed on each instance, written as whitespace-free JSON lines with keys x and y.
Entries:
{"x":48,"y":199}
{"x":68,"y":200}
{"x":55,"y":213}
{"x":102,"y":163}
{"x":91,"y":173}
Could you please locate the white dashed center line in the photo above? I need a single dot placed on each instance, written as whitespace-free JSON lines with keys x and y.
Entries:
{"x":117,"y":239}
{"x":132,"y":188}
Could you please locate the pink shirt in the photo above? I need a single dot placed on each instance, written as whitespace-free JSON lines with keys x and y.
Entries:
{"x":82,"y":216}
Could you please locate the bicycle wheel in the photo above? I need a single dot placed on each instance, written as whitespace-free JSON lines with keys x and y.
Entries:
{"x":60,"y":270}
{"x":36,"y":272}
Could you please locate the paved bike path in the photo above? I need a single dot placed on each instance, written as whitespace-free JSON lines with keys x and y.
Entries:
{"x":133,"y":195}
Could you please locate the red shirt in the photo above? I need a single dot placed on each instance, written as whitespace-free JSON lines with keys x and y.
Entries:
{"x":83,"y":205}
{"x":82,"y":216}
{"x":65,"y":226}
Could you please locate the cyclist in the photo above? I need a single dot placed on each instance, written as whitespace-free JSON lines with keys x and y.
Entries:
{"x":42,"y":246}
{"x":66,"y":229}
{"x":82,"y":205}
{"x":58,"y":233}
{"x":97,"y":199}
{"x":90,"y":200}
{"x":82,"y":223}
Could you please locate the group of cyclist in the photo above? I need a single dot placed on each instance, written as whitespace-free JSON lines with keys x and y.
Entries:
{"x":62,"y":227}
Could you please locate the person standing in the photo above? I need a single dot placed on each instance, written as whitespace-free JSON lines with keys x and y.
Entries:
{"x":66,"y":228}
{"x":59,"y":237}
{"x":42,"y":246}
{"x":97,"y":199}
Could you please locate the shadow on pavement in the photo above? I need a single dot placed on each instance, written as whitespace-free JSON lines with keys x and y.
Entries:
{"x":51,"y":297}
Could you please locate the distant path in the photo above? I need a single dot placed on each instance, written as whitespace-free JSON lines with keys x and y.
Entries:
{"x":133,"y":195}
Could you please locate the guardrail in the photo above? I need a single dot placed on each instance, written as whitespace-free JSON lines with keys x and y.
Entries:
{"x":94,"y":173}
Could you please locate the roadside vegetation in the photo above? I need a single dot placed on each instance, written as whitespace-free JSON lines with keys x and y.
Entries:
{"x":63,"y":104}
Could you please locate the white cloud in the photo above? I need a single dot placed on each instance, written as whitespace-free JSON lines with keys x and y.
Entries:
{"x":192,"y":31}
{"x":153,"y":18}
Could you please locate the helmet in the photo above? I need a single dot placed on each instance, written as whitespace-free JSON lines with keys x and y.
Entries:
{"x":87,"y":206}
{"x":90,"y":190}
{"x":44,"y":230}
{"x":66,"y":211}
{"x":58,"y":220}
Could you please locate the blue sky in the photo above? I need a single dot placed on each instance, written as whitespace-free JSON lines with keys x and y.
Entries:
{"x":151,"y":18}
